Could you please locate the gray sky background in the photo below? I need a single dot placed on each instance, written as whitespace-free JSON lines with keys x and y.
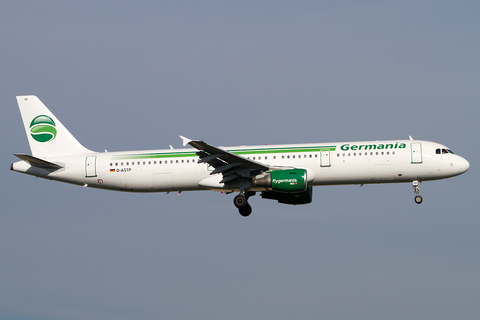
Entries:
{"x":135,"y":75}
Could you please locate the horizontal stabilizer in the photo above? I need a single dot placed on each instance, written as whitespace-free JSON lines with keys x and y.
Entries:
{"x":36,"y":162}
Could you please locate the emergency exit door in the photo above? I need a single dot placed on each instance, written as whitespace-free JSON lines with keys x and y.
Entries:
{"x":325,"y":158}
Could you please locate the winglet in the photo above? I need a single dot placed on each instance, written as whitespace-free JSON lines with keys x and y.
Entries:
{"x":185,"y":140}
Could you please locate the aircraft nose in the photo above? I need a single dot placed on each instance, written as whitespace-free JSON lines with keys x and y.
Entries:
{"x":463,"y":165}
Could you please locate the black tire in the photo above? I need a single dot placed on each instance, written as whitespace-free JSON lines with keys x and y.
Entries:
{"x":245,"y":211}
{"x":418,"y":199}
{"x":240,"y":201}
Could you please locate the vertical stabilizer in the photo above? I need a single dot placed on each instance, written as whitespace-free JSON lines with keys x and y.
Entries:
{"x":46,"y":135}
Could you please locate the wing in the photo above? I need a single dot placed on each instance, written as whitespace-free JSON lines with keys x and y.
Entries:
{"x":230,"y":165}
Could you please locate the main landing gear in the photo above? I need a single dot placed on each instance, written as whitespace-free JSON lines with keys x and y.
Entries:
{"x":241,"y":202}
{"x":418,"y":198}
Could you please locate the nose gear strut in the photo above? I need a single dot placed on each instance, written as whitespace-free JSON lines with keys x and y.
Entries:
{"x":418,"y":198}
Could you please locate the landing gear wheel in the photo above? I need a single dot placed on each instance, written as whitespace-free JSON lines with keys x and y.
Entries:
{"x":418,"y":199}
{"x":245,"y":211}
{"x":240,"y":201}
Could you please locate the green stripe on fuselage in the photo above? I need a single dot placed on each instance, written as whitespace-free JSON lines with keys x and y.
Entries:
{"x":155,"y":155}
{"x":237,"y":151}
{"x":283,"y":150}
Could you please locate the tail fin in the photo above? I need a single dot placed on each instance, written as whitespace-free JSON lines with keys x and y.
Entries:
{"x":46,"y":135}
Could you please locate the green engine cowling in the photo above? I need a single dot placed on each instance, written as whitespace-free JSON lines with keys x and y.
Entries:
{"x":288,"y":181}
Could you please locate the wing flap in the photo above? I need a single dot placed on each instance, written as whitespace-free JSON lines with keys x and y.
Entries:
{"x":229,"y":178}
{"x":225,"y":167}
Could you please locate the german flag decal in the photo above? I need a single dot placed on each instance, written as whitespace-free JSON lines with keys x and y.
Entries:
{"x":112,"y":170}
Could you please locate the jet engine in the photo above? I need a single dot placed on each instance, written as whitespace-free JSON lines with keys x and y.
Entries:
{"x":291,"y":180}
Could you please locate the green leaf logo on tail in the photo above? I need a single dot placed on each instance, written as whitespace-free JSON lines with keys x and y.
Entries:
{"x":42,"y":129}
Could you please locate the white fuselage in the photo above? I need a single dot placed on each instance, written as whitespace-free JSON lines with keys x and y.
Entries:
{"x":325,"y":163}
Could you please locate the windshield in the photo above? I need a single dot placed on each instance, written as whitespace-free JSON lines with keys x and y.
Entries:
{"x":443,"y":151}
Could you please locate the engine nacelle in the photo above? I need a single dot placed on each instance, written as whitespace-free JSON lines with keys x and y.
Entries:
{"x":289,"y":198}
{"x":292,"y":180}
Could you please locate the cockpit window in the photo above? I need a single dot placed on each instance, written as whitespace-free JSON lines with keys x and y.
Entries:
{"x":443,"y":151}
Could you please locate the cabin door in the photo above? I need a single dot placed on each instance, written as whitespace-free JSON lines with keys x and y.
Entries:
{"x":90,"y":166}
{"x":416,"y":153}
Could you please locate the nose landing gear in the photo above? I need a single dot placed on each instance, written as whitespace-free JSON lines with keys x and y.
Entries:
{"x":418,"y":198}
{"x":241,"y":202}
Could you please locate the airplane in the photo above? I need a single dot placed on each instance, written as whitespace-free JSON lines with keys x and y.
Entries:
{"x":285,"y":173}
